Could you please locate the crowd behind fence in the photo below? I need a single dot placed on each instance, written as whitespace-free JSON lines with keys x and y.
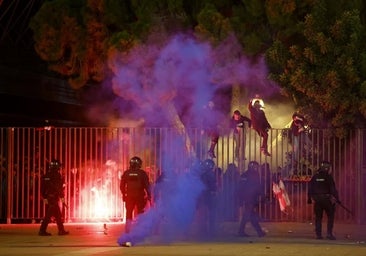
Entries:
{"x":94,"y":158}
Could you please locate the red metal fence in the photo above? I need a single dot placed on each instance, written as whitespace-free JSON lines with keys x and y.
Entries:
{"x":94,"y":158}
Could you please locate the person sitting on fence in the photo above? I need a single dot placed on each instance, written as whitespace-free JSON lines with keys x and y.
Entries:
{"x":237,"y":123}
{"x":259,"y":123}
{"x":212,"y":120}
{"x":299,"y":130}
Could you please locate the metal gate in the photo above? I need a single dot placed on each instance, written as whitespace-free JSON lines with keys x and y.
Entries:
{"x":94,"y":158}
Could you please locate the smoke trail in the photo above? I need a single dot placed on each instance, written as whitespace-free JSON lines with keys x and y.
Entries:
{"x":185,"y":74}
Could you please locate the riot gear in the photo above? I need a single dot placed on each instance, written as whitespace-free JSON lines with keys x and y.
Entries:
{"x":135,"y":189}
{"x":253,"y":165}
{"x":208,"y":165}
{"x":325,"y":166}
{"x":249,"y":190}
{"x":55,"y":165}
{"x":207,"y":200}
{"x":52,"y":192}
{"x":135,"y":162}
{"x":322,"y":190}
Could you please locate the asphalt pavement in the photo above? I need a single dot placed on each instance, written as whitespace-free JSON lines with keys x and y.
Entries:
{"x":282,"y":238}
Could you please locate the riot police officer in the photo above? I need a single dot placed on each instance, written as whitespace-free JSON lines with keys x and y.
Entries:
{"x":208,"y":198}
{"x":135,"y":189}
{"x":249,"y":191}
{"x":52,"y":191}
{"x":323,"y":191}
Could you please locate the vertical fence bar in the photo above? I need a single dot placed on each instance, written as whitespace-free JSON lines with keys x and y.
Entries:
{"x":3,"y":175}
{"x":361,"y":175}
{"x":10,"y":186}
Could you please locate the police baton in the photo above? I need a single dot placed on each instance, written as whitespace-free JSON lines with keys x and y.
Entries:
{"x":344,"y":207}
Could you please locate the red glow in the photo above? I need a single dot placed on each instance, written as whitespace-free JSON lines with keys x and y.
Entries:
{"x":99,"y":198}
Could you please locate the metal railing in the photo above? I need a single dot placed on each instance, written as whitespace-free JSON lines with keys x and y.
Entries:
{"x":94,"y":158}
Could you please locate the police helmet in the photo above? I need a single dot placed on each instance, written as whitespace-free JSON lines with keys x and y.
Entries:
{"x":54,"y":165}
{"x":325,"y":166}
{"x":253,"y":165}
{"x":208,"y":165}
{"x":135,"y":162}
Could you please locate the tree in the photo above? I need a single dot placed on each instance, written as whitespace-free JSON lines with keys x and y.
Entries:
{"x":324,"y":69}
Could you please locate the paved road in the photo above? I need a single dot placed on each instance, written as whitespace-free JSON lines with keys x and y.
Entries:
{"x":283,"y":239}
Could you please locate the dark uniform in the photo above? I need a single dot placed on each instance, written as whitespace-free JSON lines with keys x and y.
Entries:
{"x":260,"y":123}
{"x":323,"y":191}
{"x":236,"y":123}
{"x":210,"y":123}
{"x":208,"y":198}
{"x":299,"y":132}
{"x":298,"y":124}
{"x":135,"y":189}
{"x":249,"y":191}
{"x":52,"y":191}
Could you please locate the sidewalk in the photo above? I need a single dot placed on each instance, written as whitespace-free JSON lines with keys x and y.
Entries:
{"x":283,"y":238}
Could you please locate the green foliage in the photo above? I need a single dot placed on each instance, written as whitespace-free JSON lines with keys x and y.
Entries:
{"x":315,"y":50}
{"x":122,"y":40}
{"x":324,"y":71}
{"x":50,"y":22}
{"x":118,"y":14}
{"x":212,"y":25}
{"x":253,"y":43}
{"x":249,"y":22}
{"x":59,"y":36}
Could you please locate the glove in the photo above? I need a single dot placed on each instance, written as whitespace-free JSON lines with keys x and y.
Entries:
{"x":309,"y":201}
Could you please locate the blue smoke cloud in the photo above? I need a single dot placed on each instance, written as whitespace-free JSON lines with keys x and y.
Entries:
{"x":184,"y":75}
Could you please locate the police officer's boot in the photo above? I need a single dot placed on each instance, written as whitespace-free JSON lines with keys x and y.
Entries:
{"x":242,"y":225}
{"x":330,"y":235}
{"x":42,"y":229}
{"x":258,"y":228}
{"x":318,"y":231}
{"x":61,"y":228}
{"x":43,"y":233}
{"x":63,"y":233}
